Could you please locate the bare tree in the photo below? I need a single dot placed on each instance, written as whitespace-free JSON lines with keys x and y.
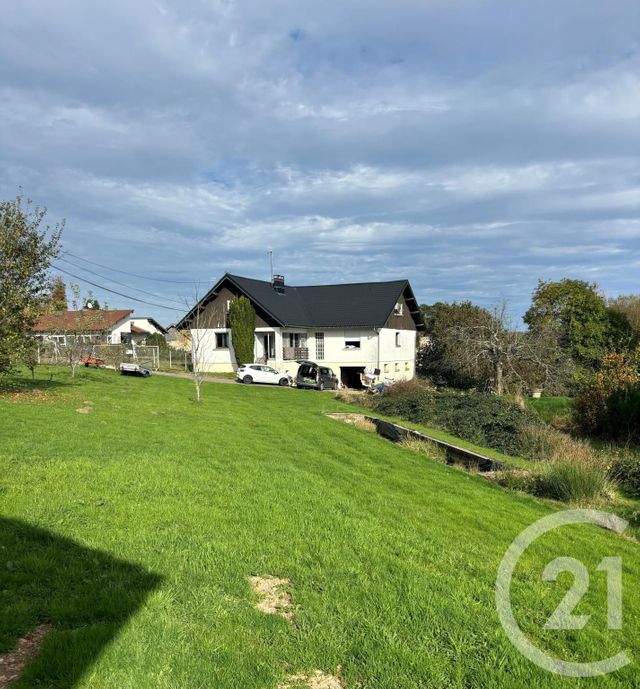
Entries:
{"x":490,"y":344}
{"x":198,"y":324}
{"x":78,"y":335}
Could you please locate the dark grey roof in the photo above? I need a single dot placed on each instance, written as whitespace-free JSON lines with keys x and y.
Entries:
{"x":361,"y":304}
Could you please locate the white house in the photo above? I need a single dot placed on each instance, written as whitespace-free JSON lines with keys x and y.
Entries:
{"x":348,"y":327}
{"x":108,"y":326}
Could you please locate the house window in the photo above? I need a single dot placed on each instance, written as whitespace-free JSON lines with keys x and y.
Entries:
{"x":397,"y":309}
{"x":296,"y":339}
{"x":269,"y":345}
{"x":351,"y":342}
{"x":397,"y":366}
{"x":386,"y":368}
{"x":319,"y":345}
{"x":406,"y":365}
{"x":398,"y":343}
{"x":222,"y":340}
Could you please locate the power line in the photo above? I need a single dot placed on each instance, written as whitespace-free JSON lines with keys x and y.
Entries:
{"x":112,"y":291}
{"x":105,"y":277}
{"x":135,"y":275}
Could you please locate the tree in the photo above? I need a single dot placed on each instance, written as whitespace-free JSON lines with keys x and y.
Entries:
{"x":620,"y":334}
{"x":576,"y":313}
{"x":629,"y":305}
{"x":242,"y":321}
{"x":439,"y":358}
{"x":90,"y":302}
{"x":26,"y":252}
{"x":472,"y":347}
{"x":156,"y":340}
{"x":77,"y":340}
{"x":58,"y":292}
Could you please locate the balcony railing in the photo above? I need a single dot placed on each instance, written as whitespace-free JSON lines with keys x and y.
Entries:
{"x":295,"y":353}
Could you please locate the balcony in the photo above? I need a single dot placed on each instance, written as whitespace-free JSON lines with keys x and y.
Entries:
{"x":295,"y":353}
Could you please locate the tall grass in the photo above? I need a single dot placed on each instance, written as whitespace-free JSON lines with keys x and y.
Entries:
{"x":574,"y":482}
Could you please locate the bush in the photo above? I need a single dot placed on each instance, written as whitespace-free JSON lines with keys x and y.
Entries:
{"x":543,"y":443}
{"x":576,"y":482}
{"x":626,"y":470}
{"x":608,"y":403}
{"x":482,"y":419}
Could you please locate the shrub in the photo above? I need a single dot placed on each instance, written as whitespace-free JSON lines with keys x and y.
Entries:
{"x":576,"y":482}
{"x":626,"y":470}
{"x":479,"y":418}
{"x":242,"y":320}
{"x":543,"y":443}
{"x":608,"y":402}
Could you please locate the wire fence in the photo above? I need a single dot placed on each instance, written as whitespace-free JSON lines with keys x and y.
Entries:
{"x":112,"y":355}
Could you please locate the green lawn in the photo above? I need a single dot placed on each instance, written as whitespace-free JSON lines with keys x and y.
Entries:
{"x":550,"y":408}
{"x":132,"y":529}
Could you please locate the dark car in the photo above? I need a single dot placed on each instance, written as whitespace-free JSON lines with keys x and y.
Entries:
{"x":312,"y":375}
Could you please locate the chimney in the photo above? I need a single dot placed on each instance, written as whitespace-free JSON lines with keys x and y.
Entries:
{"x":278,"y":283}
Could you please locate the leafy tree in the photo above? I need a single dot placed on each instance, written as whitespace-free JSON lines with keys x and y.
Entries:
{"x":620,"y":334}
{"x":242,"y":321}
{"x":608,"y":402}
{"x":90,"y":302}
{"x":576,"y":313}
{"x":156,"y":340}
{"x":470,"y":346}
{"x":58,"y":296}
{"x":629,"y":305}
{"x":439,"y":358}
{"x":26,"y":252}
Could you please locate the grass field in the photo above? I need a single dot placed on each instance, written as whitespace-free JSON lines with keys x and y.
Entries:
{"x":550,"y":409}
{"x":132,"y":527}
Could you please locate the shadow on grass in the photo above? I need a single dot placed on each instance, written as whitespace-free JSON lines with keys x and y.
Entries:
{"x":10,"y":384}
{"x":85,"y":595}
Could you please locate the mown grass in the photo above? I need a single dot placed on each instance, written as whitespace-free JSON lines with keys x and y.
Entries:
{"x":392,"y":557}
{"x":551,"y":409}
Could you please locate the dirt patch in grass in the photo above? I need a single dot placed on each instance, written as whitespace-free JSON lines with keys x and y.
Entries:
{"x":84,"y":410}
{"x":13,"y":663}
{"x":318,"y":680}
{"x":274,"y":597}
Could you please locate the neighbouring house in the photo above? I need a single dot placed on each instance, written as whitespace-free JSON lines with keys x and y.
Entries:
{"x":99,"y":326}
{"x":178,"y":339}
{"x":346,"y":327}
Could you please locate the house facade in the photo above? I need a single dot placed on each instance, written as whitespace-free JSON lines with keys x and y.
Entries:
{"x":351,"y":328}
{"x":101,"y":326}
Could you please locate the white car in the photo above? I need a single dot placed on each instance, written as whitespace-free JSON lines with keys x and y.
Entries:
{"x":259,"y":373}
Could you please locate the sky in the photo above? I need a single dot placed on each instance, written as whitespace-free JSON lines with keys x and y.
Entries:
{"x":473,"y":147}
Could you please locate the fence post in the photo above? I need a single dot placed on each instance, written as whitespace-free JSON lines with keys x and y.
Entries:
{"x":185,"y":361}
{"x":169,"y":358}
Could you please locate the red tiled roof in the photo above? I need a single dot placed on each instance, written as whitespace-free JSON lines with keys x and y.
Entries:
{"x":86,"y":320}
{"x":139,"y":331}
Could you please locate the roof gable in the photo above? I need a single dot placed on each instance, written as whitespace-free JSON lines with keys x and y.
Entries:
{"x":352,"y":305}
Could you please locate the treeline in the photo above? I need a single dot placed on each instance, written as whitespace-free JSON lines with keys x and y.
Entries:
{"x":577,"y":343}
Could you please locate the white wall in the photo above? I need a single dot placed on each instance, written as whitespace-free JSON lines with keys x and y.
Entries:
{"x":125,"y":327}
{"x":208,"y":356}
{"x":394,"y":361}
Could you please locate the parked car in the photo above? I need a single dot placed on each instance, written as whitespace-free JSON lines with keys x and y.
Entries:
{"x":312,"y":375}
{"x":134,"y":370}
{"x":259,"y":373}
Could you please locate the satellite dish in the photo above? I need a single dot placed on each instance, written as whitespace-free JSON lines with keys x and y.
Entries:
{"x":89,"y":305}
